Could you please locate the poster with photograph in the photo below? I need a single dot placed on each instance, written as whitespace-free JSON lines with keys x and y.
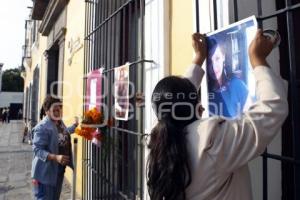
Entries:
{"x":122,"y":92}
{"x":93,"y":96}
{"x":230,"y":83}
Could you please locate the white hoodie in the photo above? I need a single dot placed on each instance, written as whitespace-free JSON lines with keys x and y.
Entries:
{"x":220,"y":149}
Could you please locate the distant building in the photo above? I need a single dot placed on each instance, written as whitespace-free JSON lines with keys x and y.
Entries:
{"x":13,"y":101}
{"x":1,"y":65}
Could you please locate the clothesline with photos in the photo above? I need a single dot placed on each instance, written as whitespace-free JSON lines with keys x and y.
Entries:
{"x":128,"y":63}
{"x":95,"y":125}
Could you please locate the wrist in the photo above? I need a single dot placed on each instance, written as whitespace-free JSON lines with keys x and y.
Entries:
{"x":198,"y":60}
{"x":258,"y":62}
{"x":52,"y":157}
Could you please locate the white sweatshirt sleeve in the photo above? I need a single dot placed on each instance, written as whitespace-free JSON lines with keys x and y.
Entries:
{"x":195,"y":74}
{"x":236,"y":142}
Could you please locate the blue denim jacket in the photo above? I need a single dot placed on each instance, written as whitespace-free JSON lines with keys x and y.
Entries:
{"x":45,"y":141}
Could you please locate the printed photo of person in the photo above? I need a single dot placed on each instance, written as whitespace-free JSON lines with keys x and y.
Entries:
{"x":122,"y":92}
{"x":229,"y":80}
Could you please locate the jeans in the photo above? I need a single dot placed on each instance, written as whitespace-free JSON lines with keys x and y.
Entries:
{"x":48,"y":192}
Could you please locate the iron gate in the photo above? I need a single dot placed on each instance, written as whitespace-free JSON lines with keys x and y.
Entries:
{"x":114,"y":36}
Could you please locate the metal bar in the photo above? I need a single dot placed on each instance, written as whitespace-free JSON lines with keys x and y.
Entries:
{"x":100,"y":41}
{"x":73,"y":197}
{"x":88,"y":44}
{"x":109,"y":58}
{"x":93,"y":20}
{"x":128,"y":131}
{"x":139,"y":74}
{"x":294,"y":105}
{"x":130,"y":171}
{"x":116,"y":60}
{"x":83,"y":143}
{"x":265,"y":178}
{"x":124,"y":58}
{"x":130,"y":64}
{"x":83,"y":171}
{"x":215,"y":14}
{"x":279,"y":12}
{"x":197,"y":16}
{"x":97,"y":58}
{"x":142,"y":55}
{"x":111,"y":63}
{"x":259,"y":11}
{"x":105,"y":54}
{"x":236,"y":11}
{"x":281,"y":158}
{"x":96,"y":39}
{"x":108,"y":18}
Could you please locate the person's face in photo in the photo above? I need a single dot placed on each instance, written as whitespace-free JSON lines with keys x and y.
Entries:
{"x":122,"y":74}
{"x":217,"y":61}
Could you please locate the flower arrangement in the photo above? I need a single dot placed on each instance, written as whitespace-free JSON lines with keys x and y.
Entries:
{"x":90,"y":122}
{"x":93,"y":128}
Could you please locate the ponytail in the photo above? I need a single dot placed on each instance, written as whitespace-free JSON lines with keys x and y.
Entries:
{"x":168,"y":168}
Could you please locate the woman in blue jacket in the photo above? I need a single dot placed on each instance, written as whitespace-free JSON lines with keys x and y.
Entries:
{"x":52,"y":151}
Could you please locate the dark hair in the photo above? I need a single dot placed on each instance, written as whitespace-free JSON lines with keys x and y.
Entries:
{"x":49,"y":101}
{"x":168,"y":171}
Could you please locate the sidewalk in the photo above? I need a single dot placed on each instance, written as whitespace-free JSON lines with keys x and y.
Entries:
{"x":15,"y":164}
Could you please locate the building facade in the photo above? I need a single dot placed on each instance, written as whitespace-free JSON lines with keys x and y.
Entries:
{"x":1,"y":66}
{"x":53,"y":62}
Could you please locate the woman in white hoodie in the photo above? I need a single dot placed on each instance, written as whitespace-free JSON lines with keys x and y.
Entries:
{"x":207,"y":159}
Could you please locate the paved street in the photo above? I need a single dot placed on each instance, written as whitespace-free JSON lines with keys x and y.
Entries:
{"x":15,"y":164}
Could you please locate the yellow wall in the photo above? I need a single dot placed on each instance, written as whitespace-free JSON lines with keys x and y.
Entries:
{"x":181,"y":29}
{"x":41,"y":61}
{"x":37,"y":59}
{"x":73,"y":76}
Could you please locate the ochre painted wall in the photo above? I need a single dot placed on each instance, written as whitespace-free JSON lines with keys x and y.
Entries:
{"x":37,"y":59}
{"x":73,"y":76}
{"x":181,"y":29}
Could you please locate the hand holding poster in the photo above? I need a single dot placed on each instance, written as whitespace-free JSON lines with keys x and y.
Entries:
{"x":230,"y":84}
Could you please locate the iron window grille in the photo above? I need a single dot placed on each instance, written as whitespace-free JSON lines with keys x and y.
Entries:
{"x":114,"y":36}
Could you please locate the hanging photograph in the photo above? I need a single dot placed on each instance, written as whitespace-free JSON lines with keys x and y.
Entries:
{"x":122,"y":92}
{"x":230,"y":83}
{"x":93,"y":96}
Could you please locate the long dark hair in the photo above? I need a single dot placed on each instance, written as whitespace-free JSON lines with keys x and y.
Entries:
{"x":168,"y":171}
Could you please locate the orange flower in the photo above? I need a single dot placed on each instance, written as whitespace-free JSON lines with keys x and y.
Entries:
{"x":85,"y":132}
{"x":91,"y":117}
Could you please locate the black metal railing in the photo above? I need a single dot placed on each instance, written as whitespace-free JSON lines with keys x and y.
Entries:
{"x":114,"y":36}
{"x":286,"y":13}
